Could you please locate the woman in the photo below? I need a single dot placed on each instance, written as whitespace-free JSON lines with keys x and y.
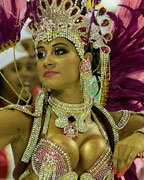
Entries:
{"x":71,"y":136}
{"x":26,"y":65}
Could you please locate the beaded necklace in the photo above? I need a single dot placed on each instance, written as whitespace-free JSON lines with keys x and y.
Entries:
{"x":35,"y":133}
{"x":71,"y":117}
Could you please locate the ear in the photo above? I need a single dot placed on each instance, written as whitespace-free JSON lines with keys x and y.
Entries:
{"x":89,"y":56}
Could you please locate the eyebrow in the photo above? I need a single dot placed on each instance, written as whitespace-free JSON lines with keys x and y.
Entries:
{"x":59,"y":44}
{"x":41,"y":47}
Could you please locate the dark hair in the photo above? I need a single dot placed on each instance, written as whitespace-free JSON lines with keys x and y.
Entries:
{"x":95,"y":63}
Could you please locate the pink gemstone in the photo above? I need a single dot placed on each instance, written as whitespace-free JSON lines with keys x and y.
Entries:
{"x":49,"y":1}
{"x":84,"y":39}
{"x":105,"y":49}
{"x":51,"y":25}
{"x":39,"y":11}
{"x":67,"y":5}
{"x":43,"y":4}
{"x":74,"y":11}
{"x":78,"y":20}
{"x":46,"y":163}
{"x":105,"y":22}
{"x":102,"y":11}
{"x":82,"y":29}
{"x":108,"y":36}
{"x":53,"y":153}
{"x":58,"y":2}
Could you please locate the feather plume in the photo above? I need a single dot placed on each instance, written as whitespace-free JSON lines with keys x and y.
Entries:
{"x":13,"y":14}
{"x":127,"y":57}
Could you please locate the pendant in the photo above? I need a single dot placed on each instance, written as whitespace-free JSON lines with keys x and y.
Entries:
{"x":71,"y":131}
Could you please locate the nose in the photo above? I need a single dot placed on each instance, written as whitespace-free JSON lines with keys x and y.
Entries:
{"x":25,"y":73}
{"x":48,"y":62}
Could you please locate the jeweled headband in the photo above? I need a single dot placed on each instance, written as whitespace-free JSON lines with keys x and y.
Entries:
{"x":77,"y":21}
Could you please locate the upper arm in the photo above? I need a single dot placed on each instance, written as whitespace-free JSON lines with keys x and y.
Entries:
{"x":11,"y":124}
{"x":134,"y":123}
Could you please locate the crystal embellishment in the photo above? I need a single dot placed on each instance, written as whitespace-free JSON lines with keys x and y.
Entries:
{"x":65,"y":112}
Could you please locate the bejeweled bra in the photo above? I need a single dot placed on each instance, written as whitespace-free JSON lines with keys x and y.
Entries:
{"x":51,"y":162}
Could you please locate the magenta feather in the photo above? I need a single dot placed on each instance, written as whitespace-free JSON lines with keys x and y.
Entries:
{"x":127,"y":57}
{"x":13,"y":14}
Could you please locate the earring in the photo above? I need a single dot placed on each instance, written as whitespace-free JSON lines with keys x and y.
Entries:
{"x":85,"y":79}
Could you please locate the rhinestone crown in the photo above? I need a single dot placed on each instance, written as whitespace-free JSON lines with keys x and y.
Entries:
{"x":78,"y":21}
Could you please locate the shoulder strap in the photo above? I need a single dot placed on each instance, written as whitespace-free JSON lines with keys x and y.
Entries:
{"x":19,"y":169}
{"x":110,"y":130}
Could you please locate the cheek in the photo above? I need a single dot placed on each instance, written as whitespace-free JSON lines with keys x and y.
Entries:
{"x":71,"y":69}
{"x":12,"y":78}
{"x":40,"y":70}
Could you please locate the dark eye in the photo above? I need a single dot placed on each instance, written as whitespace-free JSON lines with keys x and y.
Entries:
{"x":59,"y":51}
{"x":29,"y":67}
{"x":14,"y":68}
{"x":41,"y":54}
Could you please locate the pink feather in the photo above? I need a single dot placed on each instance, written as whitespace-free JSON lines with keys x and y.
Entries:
{"x":127,"y":57}
{"x":13,"y":14}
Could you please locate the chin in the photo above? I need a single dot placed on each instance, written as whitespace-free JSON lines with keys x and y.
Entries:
{"x":50,"y":86}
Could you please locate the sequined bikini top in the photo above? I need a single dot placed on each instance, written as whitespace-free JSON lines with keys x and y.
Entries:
{"x":51,"y":162}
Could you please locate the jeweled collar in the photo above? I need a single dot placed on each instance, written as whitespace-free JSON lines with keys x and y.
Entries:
{"x":71,"y":117}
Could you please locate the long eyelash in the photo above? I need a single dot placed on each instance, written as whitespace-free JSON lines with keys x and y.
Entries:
{"x":38,"y":52}
{"x":59,"y":49}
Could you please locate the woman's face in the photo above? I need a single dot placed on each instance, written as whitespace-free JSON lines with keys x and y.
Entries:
{"x":28,"y":74}
{"x":58,"y":64}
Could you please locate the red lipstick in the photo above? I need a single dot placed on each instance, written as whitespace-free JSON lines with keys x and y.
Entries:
{"x":49,"y":73}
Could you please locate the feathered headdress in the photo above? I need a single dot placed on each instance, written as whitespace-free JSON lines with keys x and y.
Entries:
{"x":13,"y":14}
{"x":127,"y":57}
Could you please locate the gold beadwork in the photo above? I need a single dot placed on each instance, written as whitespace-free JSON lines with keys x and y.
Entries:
{"x":111,"y":121}
{"x":65,"y":110}
{"x":124,"y":119}
{"x":35,"y":129}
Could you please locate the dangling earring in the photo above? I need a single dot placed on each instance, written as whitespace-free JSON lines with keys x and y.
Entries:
{"x":85,"y":79}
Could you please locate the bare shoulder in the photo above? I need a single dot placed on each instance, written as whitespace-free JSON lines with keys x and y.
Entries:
{"x":13,"y":118}
{"x":12,"y":124}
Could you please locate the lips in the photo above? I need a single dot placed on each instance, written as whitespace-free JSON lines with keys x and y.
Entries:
{"x":49,"y":73}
